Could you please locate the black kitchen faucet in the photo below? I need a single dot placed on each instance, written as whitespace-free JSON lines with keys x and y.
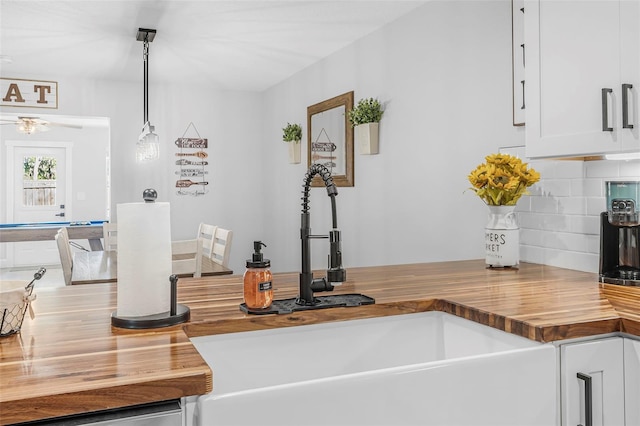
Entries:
{"x":335,"y":272}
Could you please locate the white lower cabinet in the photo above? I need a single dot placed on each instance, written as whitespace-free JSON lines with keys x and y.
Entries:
{"x":592,"y":383}
{"x":632,"y":381}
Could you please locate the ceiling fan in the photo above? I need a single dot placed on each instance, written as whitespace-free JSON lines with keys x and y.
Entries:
{"x":29,"y":125}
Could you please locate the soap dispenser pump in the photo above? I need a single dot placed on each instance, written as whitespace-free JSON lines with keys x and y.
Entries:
{"x":258,"y":288}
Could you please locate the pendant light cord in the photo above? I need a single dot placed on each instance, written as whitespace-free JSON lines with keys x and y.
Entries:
{"x":146,"y":77}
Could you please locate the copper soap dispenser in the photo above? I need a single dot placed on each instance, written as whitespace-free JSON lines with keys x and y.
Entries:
{"x":258,"y":288}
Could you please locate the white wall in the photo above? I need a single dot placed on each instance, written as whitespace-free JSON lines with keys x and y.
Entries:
{"x":444,"y":76}
{"x":231,"y":121}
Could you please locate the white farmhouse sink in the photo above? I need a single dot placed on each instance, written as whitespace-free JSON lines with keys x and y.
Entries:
{"x":426,"y":368}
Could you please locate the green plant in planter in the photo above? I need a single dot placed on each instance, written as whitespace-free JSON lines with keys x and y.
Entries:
{"x":366,"y":111}
{"x":291,"y":133}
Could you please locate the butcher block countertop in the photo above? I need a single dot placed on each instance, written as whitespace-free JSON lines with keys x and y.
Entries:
{"x":69,"y":359}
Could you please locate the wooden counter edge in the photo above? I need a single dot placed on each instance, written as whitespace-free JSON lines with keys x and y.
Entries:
{"x":50,"y":406}
{"x":264,"y":322}
{"x":539,"y":333}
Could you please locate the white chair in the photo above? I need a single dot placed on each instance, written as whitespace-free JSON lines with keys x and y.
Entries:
{"x":189,"y":253}
{"x":66,"y":257}
{"x":222,"y":247}
{"x":110,"y":236}
{"x":208,"y":234}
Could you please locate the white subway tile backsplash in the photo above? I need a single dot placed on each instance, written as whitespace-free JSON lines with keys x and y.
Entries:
{"x":569,"y":169}
{"x":528,"y":220}
{"x":593,"y":187}
{"x":566,"y":241}
{"x":630,"y":169}
{"x":602,"y":169}
{"x":531,"y":237}
{"x":535,"y":190}
{"x":572,"y":205}
{"x":544,"y":205}
{"x":593,"y":244}
{"x":577,"y":187}
{"x":581,"y":261}
{"x":532,"y":254}
{"x":524,"y":204}
{"x":556,"y":187}
{"x":556,"y":223}
{"x":546,"y":168}
{"x":589,"y":225}
{"x":560,"y":223}
{"x":596,"y":205}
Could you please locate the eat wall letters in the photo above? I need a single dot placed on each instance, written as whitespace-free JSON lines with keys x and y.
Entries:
{"x":18,"y":92}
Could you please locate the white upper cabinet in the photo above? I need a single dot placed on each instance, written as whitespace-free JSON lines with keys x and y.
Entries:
{"x":578,"y":55}
{"x":630,"y":72}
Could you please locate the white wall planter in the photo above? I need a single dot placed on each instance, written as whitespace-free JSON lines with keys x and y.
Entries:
{"x":294,"y":152}
{"x":366,"y":136}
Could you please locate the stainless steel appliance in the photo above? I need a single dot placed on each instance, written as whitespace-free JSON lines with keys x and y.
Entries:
{"x":620,"y":234}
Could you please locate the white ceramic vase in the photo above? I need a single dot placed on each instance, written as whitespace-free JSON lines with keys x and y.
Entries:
{"x":502,"y":238}
{"x":366,"y":136}
{"x":294,"y":152}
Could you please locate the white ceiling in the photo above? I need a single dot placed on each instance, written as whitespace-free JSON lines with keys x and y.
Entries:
{"x":237,"y":45}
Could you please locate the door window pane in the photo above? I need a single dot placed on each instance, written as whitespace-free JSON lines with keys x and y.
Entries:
{"x":39,"y":181}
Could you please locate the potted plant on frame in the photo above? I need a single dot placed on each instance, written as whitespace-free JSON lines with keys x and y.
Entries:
{"x":365,"y":118}
{"x":292,"y":134}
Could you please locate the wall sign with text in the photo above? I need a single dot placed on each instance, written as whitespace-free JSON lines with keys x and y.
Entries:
{"x":28,"y":93}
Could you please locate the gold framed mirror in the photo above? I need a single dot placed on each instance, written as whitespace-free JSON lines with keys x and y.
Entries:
{"x":330,"y":139}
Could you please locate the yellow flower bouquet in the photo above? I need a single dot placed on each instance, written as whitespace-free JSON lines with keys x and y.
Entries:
{"x":502,"y":180}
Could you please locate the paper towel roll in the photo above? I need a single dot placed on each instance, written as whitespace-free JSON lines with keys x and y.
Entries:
{"x":144,"y":259}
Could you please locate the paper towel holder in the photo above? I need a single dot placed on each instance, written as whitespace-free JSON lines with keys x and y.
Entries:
{"x":177,"y":314}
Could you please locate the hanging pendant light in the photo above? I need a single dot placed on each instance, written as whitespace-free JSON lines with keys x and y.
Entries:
{"x":148,"y":146}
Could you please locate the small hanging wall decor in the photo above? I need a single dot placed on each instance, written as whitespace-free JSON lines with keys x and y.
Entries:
{"x":192,"y":173}
{"x":191,"y":142}
{"x":324,"y":152}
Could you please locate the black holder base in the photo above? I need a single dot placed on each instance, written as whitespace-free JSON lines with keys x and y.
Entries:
{"x":608,"y":279}
{"x":287,"y":306}
{"x":503,"y":268}
{"x":165,"y":319}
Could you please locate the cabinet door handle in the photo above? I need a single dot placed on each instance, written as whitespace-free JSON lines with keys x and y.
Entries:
{"x":625,"y":106}
{"x":605,"y":110}
{"x":588,"y":399}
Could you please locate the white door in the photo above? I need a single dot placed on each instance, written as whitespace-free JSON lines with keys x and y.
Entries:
{"x":40,"y":187}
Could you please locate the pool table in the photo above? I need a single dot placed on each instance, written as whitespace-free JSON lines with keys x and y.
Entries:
{"x":43,"y":231}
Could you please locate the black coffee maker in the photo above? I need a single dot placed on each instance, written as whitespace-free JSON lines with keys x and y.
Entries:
{"x":620,"y":234}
